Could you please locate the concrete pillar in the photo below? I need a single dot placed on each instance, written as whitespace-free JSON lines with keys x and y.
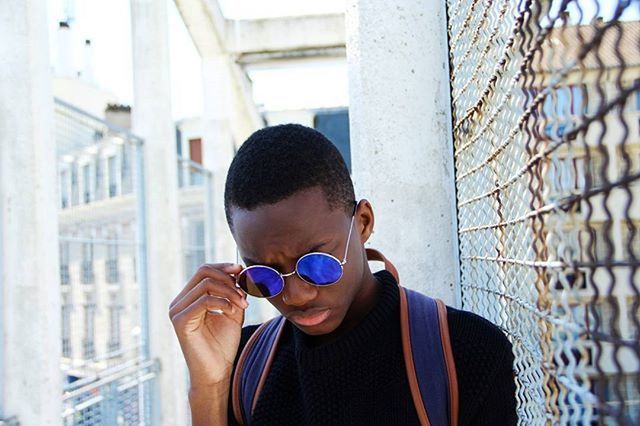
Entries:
{"x":152,"y":120}
{"x":218,"y":144}
{"x":401,"y":143}
{"x":30,"y":329}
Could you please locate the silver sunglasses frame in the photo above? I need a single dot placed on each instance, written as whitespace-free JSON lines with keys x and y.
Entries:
{"x":295,"y":271}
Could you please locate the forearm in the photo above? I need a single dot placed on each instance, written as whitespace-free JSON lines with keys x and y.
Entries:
{"x":209,"y":405}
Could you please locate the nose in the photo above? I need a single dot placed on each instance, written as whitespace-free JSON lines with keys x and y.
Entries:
{"x":297,"y":292}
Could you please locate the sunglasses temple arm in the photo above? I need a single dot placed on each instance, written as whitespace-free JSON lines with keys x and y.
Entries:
{"x":346,"y":250}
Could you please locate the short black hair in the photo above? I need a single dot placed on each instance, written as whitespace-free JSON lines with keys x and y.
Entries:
{"x":279,"y":161}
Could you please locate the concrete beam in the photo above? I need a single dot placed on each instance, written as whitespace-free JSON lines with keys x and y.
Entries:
{"x":286,"y":34}
{"x":212,"y":33}
{"x":206,"y":25}
{"x":30,"y":329}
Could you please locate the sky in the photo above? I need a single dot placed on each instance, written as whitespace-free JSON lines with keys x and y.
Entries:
{"x":108,"y":25}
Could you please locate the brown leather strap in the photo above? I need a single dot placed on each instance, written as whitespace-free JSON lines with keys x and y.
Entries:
{"x":449,"y":361}
{"x":237,"y":376}
{"x":267,"y":367}
{"x":416,"y":395}
{"x":373,"y":254}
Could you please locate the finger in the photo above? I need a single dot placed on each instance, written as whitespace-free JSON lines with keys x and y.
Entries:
{"x":209,"y":286}
{"x":218,"y":271}
{"x":205,"y":303}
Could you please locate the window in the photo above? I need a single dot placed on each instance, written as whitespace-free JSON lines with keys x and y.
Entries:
{"x":630,"y":235}
{"x":633,"y":317}
{"x":593,"y":244}
{"x":64,"y":189}
{"x":87,"y":263}
{"x":99,"y":182}
{"x":195,"y":150}
{"x":607,"y":388}
{"x":195,"y":155}
{"x":111,"y":264}
{"x":594,"y":172}
{"x":114,"y":327}
{"x":570,"y":174}
{"x":64,"y":263}
{"x":195,"y":253}
{"x":560,"y":108}
{"x":86,"y":178}
{"x":335,"y":125}
{"x":111,"y":169}
{"x":127,"y":178}
{"x":75,"y":191}
{"x":88,"y":343}
{"x":604,"y":317}
{"x":66,"y":330}
{"x":566,"y":101}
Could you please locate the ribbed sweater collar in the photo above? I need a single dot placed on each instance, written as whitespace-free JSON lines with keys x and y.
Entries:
{"x":372,"y":334}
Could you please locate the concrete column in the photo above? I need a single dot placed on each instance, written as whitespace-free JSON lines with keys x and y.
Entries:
{"x":30,"y":329}
{"x":218,"y":144}
{"x":152,"y":120}
{"x":401,"y":142}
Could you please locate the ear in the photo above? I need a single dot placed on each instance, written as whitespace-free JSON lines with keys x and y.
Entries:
{"x":364,"y":220}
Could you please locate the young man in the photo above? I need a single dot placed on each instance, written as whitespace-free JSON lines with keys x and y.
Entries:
{"x":340,"y":359}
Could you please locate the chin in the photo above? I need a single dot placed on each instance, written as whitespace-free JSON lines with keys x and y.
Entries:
{"x":326,"y":327}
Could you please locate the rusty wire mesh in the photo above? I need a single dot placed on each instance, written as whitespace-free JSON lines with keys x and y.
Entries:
{"x":546,"y":115}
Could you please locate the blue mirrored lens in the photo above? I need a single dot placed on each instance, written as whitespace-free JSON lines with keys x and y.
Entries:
{"x":260,"y":281}
{"x":319,"y":269}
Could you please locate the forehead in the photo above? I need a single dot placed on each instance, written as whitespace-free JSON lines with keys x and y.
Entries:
{"x":288,"y":227}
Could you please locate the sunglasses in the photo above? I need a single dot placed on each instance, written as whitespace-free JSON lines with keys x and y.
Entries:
{"x":316,"y":268}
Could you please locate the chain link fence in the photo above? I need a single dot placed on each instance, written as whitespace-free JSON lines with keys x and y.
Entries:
{"x":546,"y":114}
{"x":102,"y":269}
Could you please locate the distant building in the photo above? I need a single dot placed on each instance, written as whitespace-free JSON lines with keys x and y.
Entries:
{"x":577,"y":166}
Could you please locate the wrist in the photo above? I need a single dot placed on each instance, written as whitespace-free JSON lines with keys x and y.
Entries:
{"x":208,"y":404}
{"x":209,"y":390}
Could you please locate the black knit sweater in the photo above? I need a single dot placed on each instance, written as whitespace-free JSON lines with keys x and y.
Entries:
{"x":360,"y":378}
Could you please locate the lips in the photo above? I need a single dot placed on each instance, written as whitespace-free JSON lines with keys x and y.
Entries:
{"x":309,"y":317}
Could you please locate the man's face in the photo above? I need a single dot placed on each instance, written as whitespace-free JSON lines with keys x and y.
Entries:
{"x":277,"y":235}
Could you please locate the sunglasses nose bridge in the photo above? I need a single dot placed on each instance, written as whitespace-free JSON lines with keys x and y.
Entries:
{"x":296,"y":291}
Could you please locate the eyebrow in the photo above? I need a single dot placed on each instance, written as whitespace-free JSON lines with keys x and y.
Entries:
{"x":316,"y":247}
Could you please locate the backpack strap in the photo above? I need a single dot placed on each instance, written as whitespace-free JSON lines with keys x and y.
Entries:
{"x":373,"y":254}
{"x":253,"y":368}
{"x":452,"y":375}
{"x":431,"y":373}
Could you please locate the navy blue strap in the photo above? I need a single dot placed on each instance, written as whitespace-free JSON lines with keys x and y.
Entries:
{"x":253,"y":367}
{"x":428,"y":356}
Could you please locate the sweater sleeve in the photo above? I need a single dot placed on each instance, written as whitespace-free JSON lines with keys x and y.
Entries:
{"x":484,"y":365}
{"x":247,"y":332}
